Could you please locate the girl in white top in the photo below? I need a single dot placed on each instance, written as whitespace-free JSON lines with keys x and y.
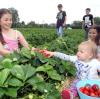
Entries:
{"x":85,"y":61}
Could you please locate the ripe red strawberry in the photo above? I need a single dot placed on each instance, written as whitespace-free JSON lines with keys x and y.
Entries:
{"x":47,"y":55}
{"x":86,"y":92}
{"x":87,"y":87}
{"x":96,"y":93}
{"x":92,"y":94}
{"x":41,"y":51}
{"x":95,"y":87}
{"x":82,"y":89}
{"x":91,"y":90}
{"x":99,"y":92}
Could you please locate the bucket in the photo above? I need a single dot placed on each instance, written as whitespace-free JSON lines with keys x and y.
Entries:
{"x":82,"y":83}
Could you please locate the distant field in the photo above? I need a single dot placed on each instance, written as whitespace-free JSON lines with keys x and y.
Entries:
{"x":39,"y":36}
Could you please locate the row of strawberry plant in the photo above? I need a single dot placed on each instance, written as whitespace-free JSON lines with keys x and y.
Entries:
{"x":41,"y":36}
{"x":38,"y":36}
{"x":25,"y":72}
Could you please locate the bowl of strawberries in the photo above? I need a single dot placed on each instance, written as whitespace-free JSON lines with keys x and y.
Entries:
{"x":89,"y":89}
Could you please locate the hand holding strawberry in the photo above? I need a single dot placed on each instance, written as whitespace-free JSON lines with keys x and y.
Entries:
{"x":47,"y":53}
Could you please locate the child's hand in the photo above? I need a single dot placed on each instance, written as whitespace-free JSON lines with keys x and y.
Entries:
{"x":46,"y":53}
{"x":34,"y":49}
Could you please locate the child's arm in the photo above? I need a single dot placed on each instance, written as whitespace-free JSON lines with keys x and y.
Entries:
{"x":65,"y":57}
{"x":3,"y":51}
{"x":59,"y":55}
{"x":22,"y":40}
{"x":65,"y":21}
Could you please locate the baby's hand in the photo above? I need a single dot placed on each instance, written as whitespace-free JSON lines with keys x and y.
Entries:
{"x":46,"y":53}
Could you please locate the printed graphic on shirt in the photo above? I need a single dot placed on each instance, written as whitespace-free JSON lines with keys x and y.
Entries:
{"x":82,"y":70}
{"x":88,"y":20}
{"x":60,"y":16}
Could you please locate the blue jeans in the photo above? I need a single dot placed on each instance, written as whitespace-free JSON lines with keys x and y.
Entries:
{"x":60,"y":31}
{"x":86,"y":33}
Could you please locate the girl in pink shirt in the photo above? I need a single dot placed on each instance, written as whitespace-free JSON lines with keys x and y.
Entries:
{"x":9,"y":38}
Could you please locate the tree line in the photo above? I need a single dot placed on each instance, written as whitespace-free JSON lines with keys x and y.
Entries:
{"x":77,"y":24}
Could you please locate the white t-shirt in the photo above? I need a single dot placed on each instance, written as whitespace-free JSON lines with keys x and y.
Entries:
{"x":85,"y":70}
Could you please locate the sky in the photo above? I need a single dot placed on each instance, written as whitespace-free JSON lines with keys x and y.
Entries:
{"x":45,"y":11}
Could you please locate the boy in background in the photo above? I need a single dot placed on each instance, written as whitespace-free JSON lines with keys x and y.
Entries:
{"x":88,"y":21}
{"x":61,"y":21}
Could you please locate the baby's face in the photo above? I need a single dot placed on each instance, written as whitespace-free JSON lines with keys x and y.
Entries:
{"x":84,"y":53}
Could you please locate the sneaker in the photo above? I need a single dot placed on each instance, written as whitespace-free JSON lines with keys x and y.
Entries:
{"x":66,"y":94}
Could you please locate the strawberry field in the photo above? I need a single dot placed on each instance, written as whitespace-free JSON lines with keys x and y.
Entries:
{"x":29,"y":75}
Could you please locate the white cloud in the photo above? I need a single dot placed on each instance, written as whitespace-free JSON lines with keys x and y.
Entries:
{"x":46,"y":10}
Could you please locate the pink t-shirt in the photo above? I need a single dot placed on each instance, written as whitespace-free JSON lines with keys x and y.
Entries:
{"x":11,"y":44}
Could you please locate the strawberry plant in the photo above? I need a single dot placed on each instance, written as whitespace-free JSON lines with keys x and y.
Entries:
{"x":19,"y":76}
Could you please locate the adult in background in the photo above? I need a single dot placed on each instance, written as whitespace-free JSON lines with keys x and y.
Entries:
{"x":61,"y":21}
{"x":88,"y":21}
